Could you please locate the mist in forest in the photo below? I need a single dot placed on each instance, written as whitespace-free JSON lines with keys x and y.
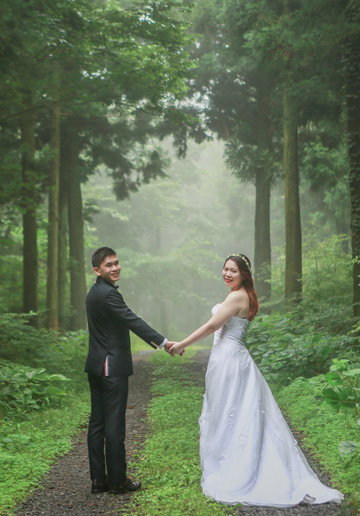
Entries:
{"x":84,"y":136}
{"x":173,"y":235}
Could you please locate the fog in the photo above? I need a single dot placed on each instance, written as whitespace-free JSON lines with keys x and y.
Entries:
{"x":173,"y":235}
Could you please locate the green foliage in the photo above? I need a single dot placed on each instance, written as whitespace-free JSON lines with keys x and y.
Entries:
{"x":323,"y":429}
{"x":36,"y":364}
{"x":304,"y":341}
{"x":23,"y":389}
{"x":29,"y":448}
{"x":344,"y":379}
{"x":20,"y":341}
{"x":286,"y":347}
{"x":344,"y":394}
{"x":58,"y":353}
{"x":39,"y":420}
{"x":327,"y":282}
{"x":325,"y":182}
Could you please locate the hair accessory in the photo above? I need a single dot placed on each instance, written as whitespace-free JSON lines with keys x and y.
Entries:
{"x":242,"y":256}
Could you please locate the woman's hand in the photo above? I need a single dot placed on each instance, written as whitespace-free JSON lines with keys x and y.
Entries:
{"x":177,"y":349}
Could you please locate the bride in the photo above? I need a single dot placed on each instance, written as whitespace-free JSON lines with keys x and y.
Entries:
{"x":248,"y":454}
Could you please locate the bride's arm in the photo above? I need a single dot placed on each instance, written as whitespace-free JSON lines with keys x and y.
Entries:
{"x":228,"y":308}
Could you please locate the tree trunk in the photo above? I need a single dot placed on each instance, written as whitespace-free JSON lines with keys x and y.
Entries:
{"x":53,"y":224}
{"x":353,"y":114}
{"x":262,"y":255}
{"x":63,"y":248}
{"x":160,"y":300}
{"x":76,"y":241}
{"x":293,"y":250}
{"x":29,"y":203}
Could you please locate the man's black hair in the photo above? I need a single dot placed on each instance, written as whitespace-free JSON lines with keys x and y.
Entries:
{"x":100,"y":254}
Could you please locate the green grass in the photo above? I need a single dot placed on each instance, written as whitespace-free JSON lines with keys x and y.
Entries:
{"x":324,"y":429}
{"x":170,"y":467}
{"x":29,"y":448}
{"x":31,"y":441}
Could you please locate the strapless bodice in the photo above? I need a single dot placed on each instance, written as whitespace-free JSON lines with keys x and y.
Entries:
{"x":234,"y":329}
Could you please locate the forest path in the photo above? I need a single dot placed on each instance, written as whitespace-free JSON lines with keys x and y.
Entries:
{"x":66,"y":489}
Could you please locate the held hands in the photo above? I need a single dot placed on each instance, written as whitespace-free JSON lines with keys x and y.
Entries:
{"x":176,"y":349}
{"x":168,"y":345}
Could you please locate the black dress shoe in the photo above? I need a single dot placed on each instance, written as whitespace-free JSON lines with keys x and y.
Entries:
{"x":99,"y":487}
{"x":126,"y":487}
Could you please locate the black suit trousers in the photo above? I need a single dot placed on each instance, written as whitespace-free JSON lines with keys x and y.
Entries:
{"x":106,"y":434}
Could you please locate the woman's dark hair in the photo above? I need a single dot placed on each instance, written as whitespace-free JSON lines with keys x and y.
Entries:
{"x":100,"y":254}
{"x":244,"y":265}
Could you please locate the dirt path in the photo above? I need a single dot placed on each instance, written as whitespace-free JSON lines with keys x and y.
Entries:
{"x":66,"y":489}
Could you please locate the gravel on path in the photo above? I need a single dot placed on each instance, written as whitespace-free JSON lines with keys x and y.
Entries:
{"x":66,"y":489}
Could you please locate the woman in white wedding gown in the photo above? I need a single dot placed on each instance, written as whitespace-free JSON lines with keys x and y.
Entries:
{"x":247,"y":451}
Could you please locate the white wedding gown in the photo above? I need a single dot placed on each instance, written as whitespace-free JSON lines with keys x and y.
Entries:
{"x":248,"y":453}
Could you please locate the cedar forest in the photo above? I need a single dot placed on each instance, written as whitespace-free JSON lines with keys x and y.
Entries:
{"x":178,"y":132}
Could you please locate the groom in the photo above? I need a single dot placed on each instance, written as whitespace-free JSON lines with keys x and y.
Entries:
{"x":109,"y":365}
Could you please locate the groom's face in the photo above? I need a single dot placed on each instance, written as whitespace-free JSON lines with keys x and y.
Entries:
{"x":109,"y":269}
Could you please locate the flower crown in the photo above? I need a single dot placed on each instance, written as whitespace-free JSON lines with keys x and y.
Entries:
{"x":242,"y":256}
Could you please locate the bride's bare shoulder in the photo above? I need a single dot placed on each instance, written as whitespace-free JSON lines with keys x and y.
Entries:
{"x":237,"y":295}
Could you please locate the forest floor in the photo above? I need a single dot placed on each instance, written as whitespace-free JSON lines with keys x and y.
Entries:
{"x":66,"y":488}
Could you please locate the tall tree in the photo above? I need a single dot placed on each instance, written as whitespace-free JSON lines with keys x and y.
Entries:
{"x":280,"y":37}
{"x":336,"y":34}
{"x":63,"y":246}
{"x":32,"y":34}
{"x":237,"y":89}
{"x":77,"y":258}
{"x":102,"y":51}
{"x":293,"y":248}
{"x":352,"y":84}
{"x":53,"y":222}
{"x":263,"y":181}
{"x":29,"y":207}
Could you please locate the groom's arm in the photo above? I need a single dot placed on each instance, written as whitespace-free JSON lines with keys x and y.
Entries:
{"x":119,"y":310}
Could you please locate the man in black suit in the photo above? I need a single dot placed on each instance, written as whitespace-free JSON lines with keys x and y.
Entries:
{"x":109,"y":365}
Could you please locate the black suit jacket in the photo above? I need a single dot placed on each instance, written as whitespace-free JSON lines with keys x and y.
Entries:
{"x":110,"y":320}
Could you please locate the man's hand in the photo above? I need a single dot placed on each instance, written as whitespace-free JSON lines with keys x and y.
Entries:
{"x":169,"y":345}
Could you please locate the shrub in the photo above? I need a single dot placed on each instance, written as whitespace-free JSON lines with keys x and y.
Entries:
{"x":344,"y":394}
{"x":286,"y":348}
{"x":23,"y":389}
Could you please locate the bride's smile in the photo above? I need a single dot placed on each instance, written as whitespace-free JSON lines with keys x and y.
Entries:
{"x":232,"y":275}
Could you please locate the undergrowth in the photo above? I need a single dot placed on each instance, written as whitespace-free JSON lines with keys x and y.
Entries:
{"x":324,"y":429}
{"x":29,"y":448}
{"x":41,"y":410}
